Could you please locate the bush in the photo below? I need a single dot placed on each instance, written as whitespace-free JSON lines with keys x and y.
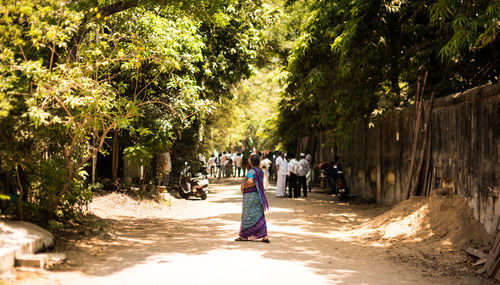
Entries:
{"x":46,"y":184}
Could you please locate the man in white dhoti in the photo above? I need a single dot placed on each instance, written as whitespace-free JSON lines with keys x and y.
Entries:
{"x":281,"y":167}
{"x":310,"y":174}
{"x":265,"y":164}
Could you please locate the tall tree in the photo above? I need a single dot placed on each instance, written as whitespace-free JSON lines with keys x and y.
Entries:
{"x":355,"y":59}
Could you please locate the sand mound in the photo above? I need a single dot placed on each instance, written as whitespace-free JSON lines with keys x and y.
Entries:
{"x":437,"y":219}
{"x":118,"y":204}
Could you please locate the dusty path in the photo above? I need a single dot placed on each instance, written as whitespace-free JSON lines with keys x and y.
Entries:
{"x":192,"y":243}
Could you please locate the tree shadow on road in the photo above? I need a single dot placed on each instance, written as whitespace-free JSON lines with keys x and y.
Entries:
{"x":312,"y":232}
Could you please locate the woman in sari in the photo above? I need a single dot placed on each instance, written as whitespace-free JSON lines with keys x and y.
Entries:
{"x":253,"y":221}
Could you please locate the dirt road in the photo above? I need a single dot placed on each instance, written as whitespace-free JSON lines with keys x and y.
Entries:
{"x":192,"y":242}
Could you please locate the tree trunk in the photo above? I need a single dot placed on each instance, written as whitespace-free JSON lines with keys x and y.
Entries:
{"x":21,"y":193}
{"x":419,"y":99}
{"x":416,"y":131}
{"x":417,"y":186}
{"x":55,"y":200}
{"x":116,"y":156}
{"x":94,"y":161}
{"x":428,"y":173}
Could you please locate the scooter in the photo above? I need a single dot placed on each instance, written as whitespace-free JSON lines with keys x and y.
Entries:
{"x":190,"y":185}
{"x":341,"y":186}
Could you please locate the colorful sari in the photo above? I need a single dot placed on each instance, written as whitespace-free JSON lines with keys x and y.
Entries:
{"x":253,"y":221}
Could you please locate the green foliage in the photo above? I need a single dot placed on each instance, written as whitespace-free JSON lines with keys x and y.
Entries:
{"x":138,"y":68}
{"x":355,"y":59}
{"x":470,"y":24}
{"x":46,"y":182}
{"x":232,"y":49}
{"x":250,"y":114}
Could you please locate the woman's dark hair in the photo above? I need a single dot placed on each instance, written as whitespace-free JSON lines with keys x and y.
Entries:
{"x":255,"y":160}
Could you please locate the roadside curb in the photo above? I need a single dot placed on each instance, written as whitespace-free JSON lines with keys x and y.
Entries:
{"x":18,"y":238}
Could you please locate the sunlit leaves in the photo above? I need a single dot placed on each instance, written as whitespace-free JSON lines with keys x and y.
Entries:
{"x":471,"y":24}
{"x":356,"y":59}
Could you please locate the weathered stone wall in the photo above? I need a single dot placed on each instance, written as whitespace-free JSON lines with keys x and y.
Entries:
{"x":465,"y":151}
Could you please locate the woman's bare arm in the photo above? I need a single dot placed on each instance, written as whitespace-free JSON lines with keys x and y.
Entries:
{"x":247,"y":184}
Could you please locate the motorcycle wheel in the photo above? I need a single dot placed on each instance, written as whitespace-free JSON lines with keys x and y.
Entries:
{"x":182,"y":193}
{"x":203,"y":195}
{"x":344,"y":195}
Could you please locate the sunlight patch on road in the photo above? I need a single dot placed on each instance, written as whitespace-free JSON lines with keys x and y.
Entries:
{"x":218,"y":267}
{"x":278,"y":229}
{"x":280,"y":210}
{"x":140,"y":241}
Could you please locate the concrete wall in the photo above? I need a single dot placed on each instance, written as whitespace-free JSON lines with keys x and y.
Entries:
{"x":465,"y":151}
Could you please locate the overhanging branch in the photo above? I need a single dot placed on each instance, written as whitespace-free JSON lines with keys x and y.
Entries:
{"x":104,"y":11}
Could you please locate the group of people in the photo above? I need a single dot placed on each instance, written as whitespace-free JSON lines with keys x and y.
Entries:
{"x":226,"y":165}
{"x":294,"y":171}
{"x":235,"y":165}
{"x":291,"y":171}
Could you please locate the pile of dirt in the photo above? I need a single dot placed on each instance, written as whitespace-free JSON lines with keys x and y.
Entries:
{"x":118,"y":204}
{"x":432,"y":219}
{"x":429,"y":232}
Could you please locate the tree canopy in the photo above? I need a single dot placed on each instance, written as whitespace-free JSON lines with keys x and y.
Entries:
{"x":356,"y":59}
{"x":74,"y":72}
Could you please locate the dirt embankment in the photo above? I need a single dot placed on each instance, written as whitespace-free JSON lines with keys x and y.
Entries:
{"x":430,"y":233}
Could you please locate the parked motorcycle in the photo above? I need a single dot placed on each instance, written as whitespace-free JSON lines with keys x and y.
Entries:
{"x":323,"y":176}
{"x":192,"y":185}
{"x":341,"y":186}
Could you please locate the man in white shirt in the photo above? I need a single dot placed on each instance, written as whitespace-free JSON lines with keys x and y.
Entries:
{"x":265,"y":163}
{"x":293,"y":167}
{"x":282,"y":166}
{"x":223,"y":163}
{"x":218,"y":164}
{"x":203,"y":161}
{"x":211,"y":165}
{"x":304,"y":169}
{"x":238,"y":162}
{"x":201,"y":157}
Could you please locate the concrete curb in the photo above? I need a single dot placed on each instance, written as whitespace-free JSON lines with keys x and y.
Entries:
{"x":18,"y":238}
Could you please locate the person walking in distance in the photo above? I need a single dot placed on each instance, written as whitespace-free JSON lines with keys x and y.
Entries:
{"x":228,"y":166}
{"x":331,"y":173}
{"x":218,"y":164}
{"x":310,"y":174}
{"x":293,"y":167}
{"x":223,"y":159}
{"x":211,"y":165}
{"x":265,"y":164}
{"x":238,"y":161}
{"x":304,"y":169}
{"x":281,"y":167}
